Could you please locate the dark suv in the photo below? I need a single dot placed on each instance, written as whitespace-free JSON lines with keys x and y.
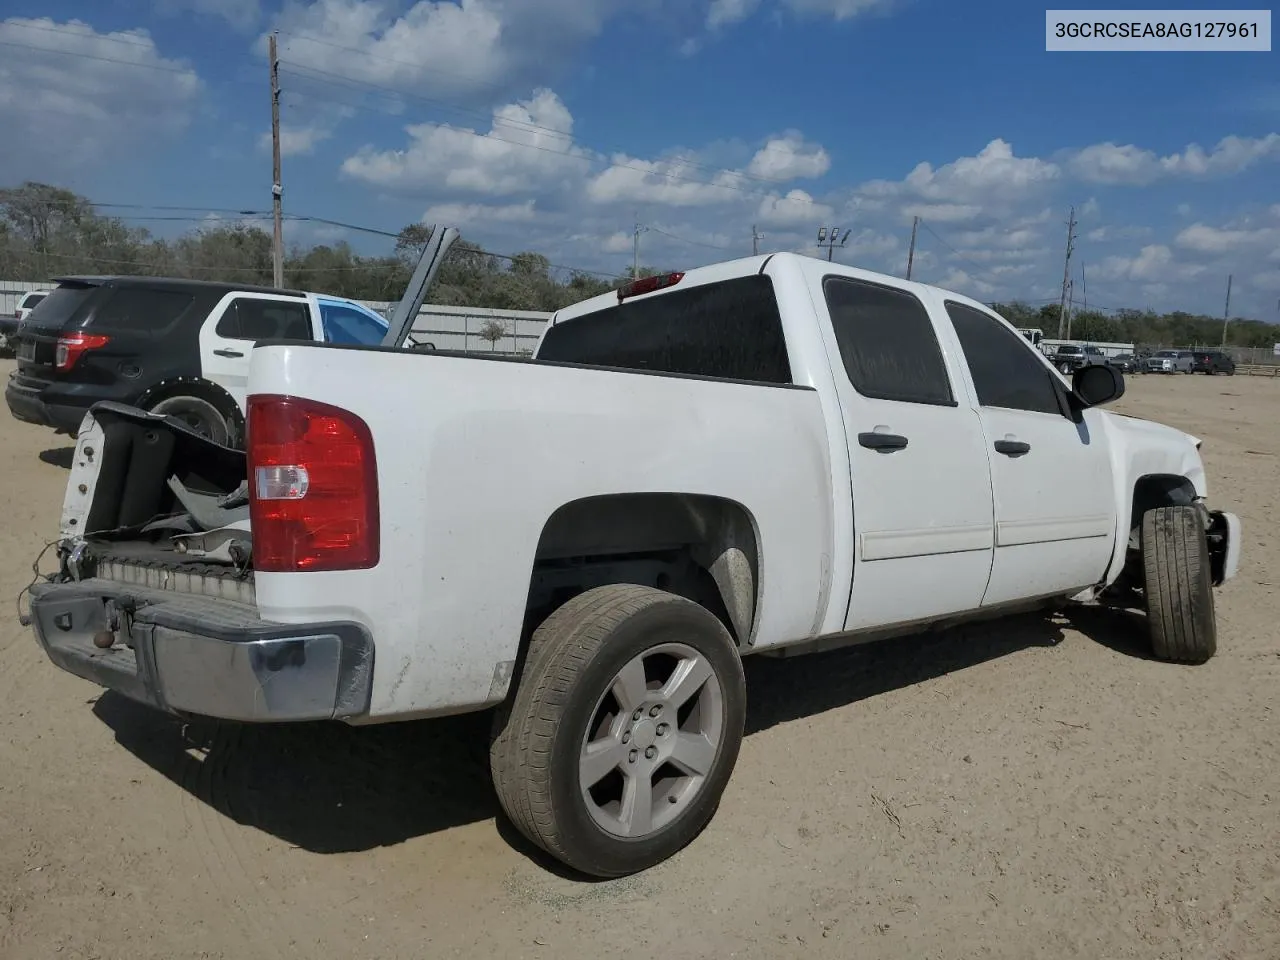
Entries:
{"x":177,"y":347}
{"x":1070,"y":357}
{"x":1212,"y":361}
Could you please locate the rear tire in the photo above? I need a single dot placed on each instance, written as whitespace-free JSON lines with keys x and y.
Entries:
{"x":624,"y":729}
{"x":1179,"y":592}
{"x":202,"y":416}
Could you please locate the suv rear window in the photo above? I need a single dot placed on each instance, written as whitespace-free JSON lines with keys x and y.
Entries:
{"x":729,"y":330}
{"x":62,"y":308}
{"x":141,"y":309}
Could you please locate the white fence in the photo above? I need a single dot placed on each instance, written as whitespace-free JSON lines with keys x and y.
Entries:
{"x":447,"y":328}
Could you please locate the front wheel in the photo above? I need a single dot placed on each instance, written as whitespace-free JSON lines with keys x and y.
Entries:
{"x":1177,"y":584}
{"x":624,"y":729}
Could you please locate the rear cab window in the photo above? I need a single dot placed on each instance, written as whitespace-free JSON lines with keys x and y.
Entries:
{"x":30,"y":301}
{"x":726,"y":329}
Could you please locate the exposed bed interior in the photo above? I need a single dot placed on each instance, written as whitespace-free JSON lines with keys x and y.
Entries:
{"x":163,"y":499}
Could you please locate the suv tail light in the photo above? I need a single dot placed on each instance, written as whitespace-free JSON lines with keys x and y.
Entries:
{"x":313,"y":486}
{"x":71,"y":346}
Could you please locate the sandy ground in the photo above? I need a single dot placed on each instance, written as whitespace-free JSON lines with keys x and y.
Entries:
{"x":990,"y":793}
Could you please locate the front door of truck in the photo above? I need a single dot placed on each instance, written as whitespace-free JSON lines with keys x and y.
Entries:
{"x":922,"y":511}
{"x":1055,"y":504}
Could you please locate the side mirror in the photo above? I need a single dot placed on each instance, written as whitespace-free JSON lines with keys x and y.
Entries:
{"x":1097,"y":384}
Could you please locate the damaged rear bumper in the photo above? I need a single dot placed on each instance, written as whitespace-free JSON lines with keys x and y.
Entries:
{"x":205,"y":656}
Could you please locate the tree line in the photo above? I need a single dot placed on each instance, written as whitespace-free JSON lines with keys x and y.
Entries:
{"x":47,"y":231}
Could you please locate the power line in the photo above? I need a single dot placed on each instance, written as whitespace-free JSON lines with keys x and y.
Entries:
{"x":90,"y":35}
{"x":696,"y":243}
{"x":184,"y":71}
{"x":980,"y":275}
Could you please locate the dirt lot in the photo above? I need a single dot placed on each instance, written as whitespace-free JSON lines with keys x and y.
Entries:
{"x":989,"y":793}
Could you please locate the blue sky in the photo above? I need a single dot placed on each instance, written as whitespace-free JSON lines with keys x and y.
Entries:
{"x":555,"y":124}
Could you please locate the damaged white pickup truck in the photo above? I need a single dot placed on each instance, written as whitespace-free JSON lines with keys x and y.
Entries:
{"x":766,"y":456}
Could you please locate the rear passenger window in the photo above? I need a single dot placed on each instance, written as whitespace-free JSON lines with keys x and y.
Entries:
{"x":248,"y":318}
{"x":1005,"y":371}
{"x":887,"y":343}
{"x":139,"y":309}
{"x":729,"y":330}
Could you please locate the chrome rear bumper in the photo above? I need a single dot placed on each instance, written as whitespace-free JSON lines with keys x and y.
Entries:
{"x":188,"y":654}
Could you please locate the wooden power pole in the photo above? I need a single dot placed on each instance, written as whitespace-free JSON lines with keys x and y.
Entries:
{"x":1066,"y":272}
{"x":756,"y":237}
{"x":911,"y":250}
{"x":277,"y":191}
{"x":1226,"y":312}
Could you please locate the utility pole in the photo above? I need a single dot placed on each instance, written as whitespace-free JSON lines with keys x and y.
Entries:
{"x":911,"y":250}
{"x":832,"y":240}
{"x":277,"y":191}
{"x":1066,"y":272}
{"x":635,"y":249}
{"x":756,"y":237}
{"x":1071,"y":284}
{"x":1226,"y":312}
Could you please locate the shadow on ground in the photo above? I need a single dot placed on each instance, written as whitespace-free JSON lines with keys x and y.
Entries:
{"x":330,"y":788}
{"x":58,"y":456}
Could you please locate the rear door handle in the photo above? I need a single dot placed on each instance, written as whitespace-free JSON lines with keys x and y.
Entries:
{"x":227,"y":353}
{"x":882,"y":441}
{"x":1011,"y":447}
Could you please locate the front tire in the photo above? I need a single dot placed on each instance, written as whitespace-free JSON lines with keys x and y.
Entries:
{"x":1178,"y":588}
{"x":624,"y":729}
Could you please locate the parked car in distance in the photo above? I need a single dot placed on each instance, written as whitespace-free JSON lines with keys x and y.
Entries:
{"x":932,"y":468}
{"x":1214,"y":361}
{"x":1124,"y":362}
{"x":1070,"y":357}
{"x":1170,"y":361}
{"x":172,"y":346}
{"x":9,"y":323}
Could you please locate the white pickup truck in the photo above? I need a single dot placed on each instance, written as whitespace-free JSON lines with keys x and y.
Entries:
{"x":766,"y":456}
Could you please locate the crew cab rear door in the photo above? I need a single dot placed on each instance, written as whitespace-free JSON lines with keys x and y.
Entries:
{"x":921,"y":482}
{"x":238,"y":321}
{"x":1055,"y":507}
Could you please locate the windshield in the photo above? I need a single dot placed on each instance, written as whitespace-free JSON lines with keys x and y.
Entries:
{"x":60,"y":308}
{"x":1167,"y":353}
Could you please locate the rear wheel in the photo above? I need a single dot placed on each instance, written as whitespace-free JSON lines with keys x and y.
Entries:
{"x":201,"y":415}
{"x":1178,"y":588}
{"x":624,"y":730}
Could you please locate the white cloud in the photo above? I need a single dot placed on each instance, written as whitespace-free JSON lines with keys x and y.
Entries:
{"x":795,"y":209}
{"x":529,"y":147}
{"x":447,"y":49}
{"x":302,"y":138}
{"x":1130,"y":165}
{"x":70,"y":96}
{"x":789,"y":157}
{"x":724,"y":12}
{"x":241,"y":14}
{"x":1206,"y":239}
{"x":943,"y":212}
{"x":994,"y":181}
{"x":675,"y":182}
{"x":1153,"y":264}
{"x":1108,"y":233}
{"x":455,"y":214}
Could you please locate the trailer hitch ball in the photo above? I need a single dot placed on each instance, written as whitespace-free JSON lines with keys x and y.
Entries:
{"x":104,"y":639}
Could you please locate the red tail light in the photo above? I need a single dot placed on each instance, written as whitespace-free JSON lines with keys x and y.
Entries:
{"x":648,"y":285}
{"x":71,"y":347}
{"x":313,"y":487}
